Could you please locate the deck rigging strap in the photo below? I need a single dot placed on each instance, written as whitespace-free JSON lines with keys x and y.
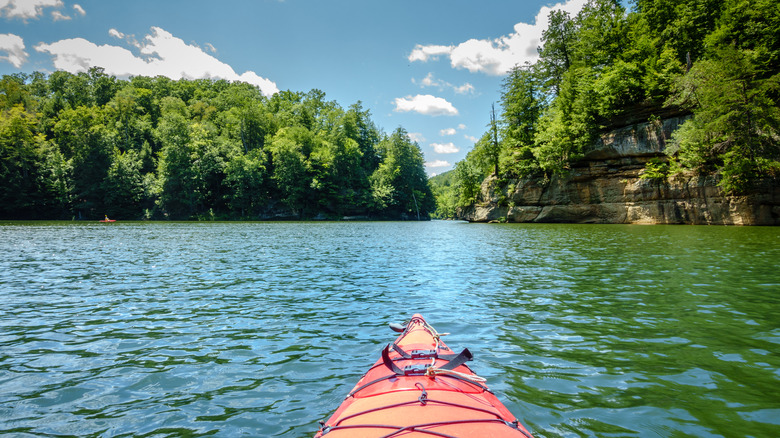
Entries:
{"x":422,"y":354}
{"x":431,"y":370}
{"x":461,"y":358}
{"x":454,"y":360}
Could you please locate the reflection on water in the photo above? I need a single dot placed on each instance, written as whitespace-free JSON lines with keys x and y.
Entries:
{"x":262,"y":328}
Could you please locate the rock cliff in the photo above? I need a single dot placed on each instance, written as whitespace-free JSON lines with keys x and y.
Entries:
{"x":605,"y":187}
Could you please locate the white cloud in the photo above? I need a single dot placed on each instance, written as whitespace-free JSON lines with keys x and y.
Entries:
{"x":26,"y":9}
{"x":79,"y":10}
{"x":13,"y":47}
{"x":452,"y":131}
{"x":471,"y":138}
{"x":116,"y":34}
{"x":161,"y":54}
{"x":445,"y":148}
{"x":431,"y":81}
{"x":58,"y":16}
{"x":416,"y":137}
{"x":425,"y":104}
{"x":465,"y":89}
{"x":437,"y":163}
{"x":424,"y":53}
{"x":428,"y":81}
{"x":497,"y":56}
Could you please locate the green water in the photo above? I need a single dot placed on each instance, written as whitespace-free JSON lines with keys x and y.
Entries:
{"x":260,"y":329}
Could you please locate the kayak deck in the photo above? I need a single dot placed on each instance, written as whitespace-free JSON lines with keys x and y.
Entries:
{"x":419,"y":387}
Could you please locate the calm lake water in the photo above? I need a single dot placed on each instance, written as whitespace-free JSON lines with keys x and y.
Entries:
{"x":261,"y":329}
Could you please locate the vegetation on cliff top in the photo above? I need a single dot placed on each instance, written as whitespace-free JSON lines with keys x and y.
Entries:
{"x":717,"y":60}
{"x":87,"y":145}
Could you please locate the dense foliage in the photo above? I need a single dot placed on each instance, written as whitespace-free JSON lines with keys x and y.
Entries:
{"x":87,"y":145}
{"x":717,"y":60}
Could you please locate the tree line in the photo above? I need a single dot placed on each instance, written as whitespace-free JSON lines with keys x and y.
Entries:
{"x":87,"y":145}
{"x":717,"y":61}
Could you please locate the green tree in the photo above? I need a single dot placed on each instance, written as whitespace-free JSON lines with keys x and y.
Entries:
{"x":18,"y":163}
{"x":357,"y":125}
{"x":601,"y":34}
{"x":290,"y":150}
{"x":468,"y":178}
{"x":754,"y":26}
{"x":125,"y":187}
{"x":130,"y":121}
{"x":568,"y":125}
{"x":681,"y":25}
{"x":179,"y":196}
{"x":13,"y":91}
{"x":245,"y":177}
{"x":521,"y":101}
{"x":103,"y":87}
{"x":84,"y":138}
{"x":556,"y":52}
{"x":55,"y":184}
{"x":209,"y":156}
{"x":734,"y":128}
{"x":400,"y":183}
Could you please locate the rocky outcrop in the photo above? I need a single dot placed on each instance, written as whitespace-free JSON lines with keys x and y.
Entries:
{"x":605,"y":187}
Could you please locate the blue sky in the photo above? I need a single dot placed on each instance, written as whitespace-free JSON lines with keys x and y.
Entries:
{"x":433,"y":67}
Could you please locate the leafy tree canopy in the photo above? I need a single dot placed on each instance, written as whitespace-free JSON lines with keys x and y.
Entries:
{"x":87,"y":145}
{"x":717,"y":60}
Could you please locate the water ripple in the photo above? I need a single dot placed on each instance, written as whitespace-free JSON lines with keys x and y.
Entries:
{"x":260,"y":329}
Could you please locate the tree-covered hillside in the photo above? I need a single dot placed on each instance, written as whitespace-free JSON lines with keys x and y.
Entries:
{"x":716,"y":60}
{"x":87,"y":145}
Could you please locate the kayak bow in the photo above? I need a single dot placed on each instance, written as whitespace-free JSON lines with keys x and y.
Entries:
{"x":421,"y":388}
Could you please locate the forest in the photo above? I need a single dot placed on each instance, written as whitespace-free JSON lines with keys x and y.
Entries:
{"x":86,"y":145}
{"x":716,"y":61}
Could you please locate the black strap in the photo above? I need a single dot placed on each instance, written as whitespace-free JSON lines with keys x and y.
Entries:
{"x":458,"y":360}
{"x":455,"y":362}
{"x":389,"y":362}
{"x":406,"y":355}
{"x":400,"y":351}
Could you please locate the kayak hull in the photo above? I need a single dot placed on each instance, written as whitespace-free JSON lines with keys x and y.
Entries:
{"x":419,"y":387}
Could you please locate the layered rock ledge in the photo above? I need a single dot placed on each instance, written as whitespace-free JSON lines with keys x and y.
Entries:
{"x":605,"y":187}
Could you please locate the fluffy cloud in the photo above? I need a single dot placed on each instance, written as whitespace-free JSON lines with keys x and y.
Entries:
{"x":445,"y":148}
{"x":116,"y":34}
{"x":424,"y":53}
{"x":437,"y":163}
{"x":425,"y":104}
{"x":26,"y":9}
{"x":464,"y":89}
{"x":497,"y":56}
{"x":160,"y":54}
{"x":452,"y":131}
{"x":13,"y":47}
{"x":416,"y":137}
{"x":431,"y":81}
{"x":57,"y":16}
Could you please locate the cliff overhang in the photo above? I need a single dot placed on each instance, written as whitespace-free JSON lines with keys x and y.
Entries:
{"x":606,"y":187}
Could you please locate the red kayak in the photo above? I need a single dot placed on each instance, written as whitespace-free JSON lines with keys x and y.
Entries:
{"x":421,"y":388}
{"x":108,"y":220}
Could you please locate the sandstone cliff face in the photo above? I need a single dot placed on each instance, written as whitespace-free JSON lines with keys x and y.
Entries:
{"x":605,"y":187}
